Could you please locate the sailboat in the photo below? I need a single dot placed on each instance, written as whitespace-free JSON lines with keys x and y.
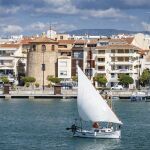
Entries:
{"x":93,"y":108}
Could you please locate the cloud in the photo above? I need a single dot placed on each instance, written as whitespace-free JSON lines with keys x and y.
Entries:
{"x":108,"y":13}
{"x":58,"y":7}
{"x":58,"y":26}
{"x":58,"y":2}
{"x":11,"y":10}
{"x":146,"y":26}
{"x":12,"y":29}
{"x":38,"y":26}
{"x":62,"y":27}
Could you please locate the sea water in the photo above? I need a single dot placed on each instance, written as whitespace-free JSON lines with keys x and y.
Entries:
{"x":40,"y":125}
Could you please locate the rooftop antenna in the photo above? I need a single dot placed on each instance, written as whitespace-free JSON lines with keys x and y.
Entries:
{"x":50,"y":28}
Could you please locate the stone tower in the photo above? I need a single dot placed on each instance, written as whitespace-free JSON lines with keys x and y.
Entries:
{"x":42,"y":59}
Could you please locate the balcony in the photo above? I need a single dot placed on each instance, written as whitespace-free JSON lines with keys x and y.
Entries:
{"x":121,"y":63}
{"x":120,"y":54}
{"x":122,"y":71}
{"x":7,"y":64}
{"x":103,"y":71}
{"x":6,"y":58}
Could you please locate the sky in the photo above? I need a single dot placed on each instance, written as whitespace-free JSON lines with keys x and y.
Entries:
{"x":30,"y":17}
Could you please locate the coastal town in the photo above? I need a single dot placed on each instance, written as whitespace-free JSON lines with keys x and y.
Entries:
{"x":74,"y":74}
{"x":57,"y":55}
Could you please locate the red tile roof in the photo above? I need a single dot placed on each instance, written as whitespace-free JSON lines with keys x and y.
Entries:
{"x":9,"y":45}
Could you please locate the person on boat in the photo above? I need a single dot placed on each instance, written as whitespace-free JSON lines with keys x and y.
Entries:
{"x":106,"y":95}
{"x":74,"y":128}
{"x":96,"y":125}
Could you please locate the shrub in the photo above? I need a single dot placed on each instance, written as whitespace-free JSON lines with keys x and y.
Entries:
{"x":5,"y":80}
{"x":29,"y":79}
{"x":53,"y":79}
{"x":49,"y":85}
{"x":27,"y":84}
{"x":37,"y":85}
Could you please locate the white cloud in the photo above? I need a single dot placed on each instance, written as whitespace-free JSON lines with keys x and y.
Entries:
{"x":11,"y":10}
{"x":37,"y":26}
{"x":69,"y":9}
{"x":108,"y":13}
{"x":62,"y":27}
{"x":59,"y":6}
{"x":58,"y":26}
{"x":12,"y":29}
{"x":58,"y":2}
{"x":146,"y":26}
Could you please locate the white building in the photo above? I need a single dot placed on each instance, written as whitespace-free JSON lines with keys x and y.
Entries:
{"x":10,"y":57}
{"x":64,"y":67}
{"x":113,"y":57}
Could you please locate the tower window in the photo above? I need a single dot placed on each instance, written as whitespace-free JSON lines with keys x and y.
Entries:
{"x":53,"y":47}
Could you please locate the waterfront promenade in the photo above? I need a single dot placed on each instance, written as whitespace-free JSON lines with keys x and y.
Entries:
{"x":31,"y":93}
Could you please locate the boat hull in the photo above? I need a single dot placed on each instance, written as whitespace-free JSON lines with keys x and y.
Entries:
{"x":99,"y":135}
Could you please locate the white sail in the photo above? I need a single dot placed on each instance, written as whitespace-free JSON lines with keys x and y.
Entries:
{"x":91,"y":105}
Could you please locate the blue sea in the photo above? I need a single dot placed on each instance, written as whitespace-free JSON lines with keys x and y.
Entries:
{"x":40,"y":125}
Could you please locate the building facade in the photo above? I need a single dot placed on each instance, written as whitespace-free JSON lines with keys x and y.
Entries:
{"x":42,"y":59}
{"x":114,"y":57}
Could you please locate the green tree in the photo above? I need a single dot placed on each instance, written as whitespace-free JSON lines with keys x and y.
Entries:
{"x":53,"y":79}
{"x":125,"y":80}
{"x":29,"y":80}
{"x":37,"y":85}
{"x":5,"y":80}
{"x":145,"y":77}
{"x":101,"y":79}
{"x":74,"y":78}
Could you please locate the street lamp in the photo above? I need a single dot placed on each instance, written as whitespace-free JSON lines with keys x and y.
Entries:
{"x":43,"y":64}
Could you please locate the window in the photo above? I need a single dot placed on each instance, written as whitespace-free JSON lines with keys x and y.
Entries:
{"x":91,"y":45}
{"x":127,"y":59}
{"x":112,"y":75}
{"x":120,"y":59}
{"x":101,"y":59}
{"x":34,"y":47}
{"x":78,"y":54}
{"x":79,"y":45}
{"x":61,"y":37}
{"x":2,"y":62}
{"x":126,"y":51}
{"x":113,"y":51}
{"x":102,"y":43}
{"x":53,"y":47}
{"x":62,"y":46}
{"x":113,"y":67}
{"x":113,"y":59}
{"x":63,"y":73}
{"x":101,"y":67}
{"x":63,"y":64}
{"x":119,"y":67}
{"x":120,"y":51}
{"x":101,"y":51}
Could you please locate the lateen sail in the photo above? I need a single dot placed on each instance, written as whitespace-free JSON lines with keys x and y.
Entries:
{"x":91,"y":105}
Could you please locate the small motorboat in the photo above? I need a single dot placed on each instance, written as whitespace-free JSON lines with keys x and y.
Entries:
{"x":138,"y":96}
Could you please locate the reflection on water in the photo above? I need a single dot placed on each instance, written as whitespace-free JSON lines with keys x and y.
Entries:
{"x":98,"y":144}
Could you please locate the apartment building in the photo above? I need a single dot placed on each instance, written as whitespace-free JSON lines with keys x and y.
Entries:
{"x":64,"y":67}
{"x":114,"y":57}
{"x":89,"y":60}
{"x":77,"y":56}
{"x":64,"y":59}
{"x":12,"y":61}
